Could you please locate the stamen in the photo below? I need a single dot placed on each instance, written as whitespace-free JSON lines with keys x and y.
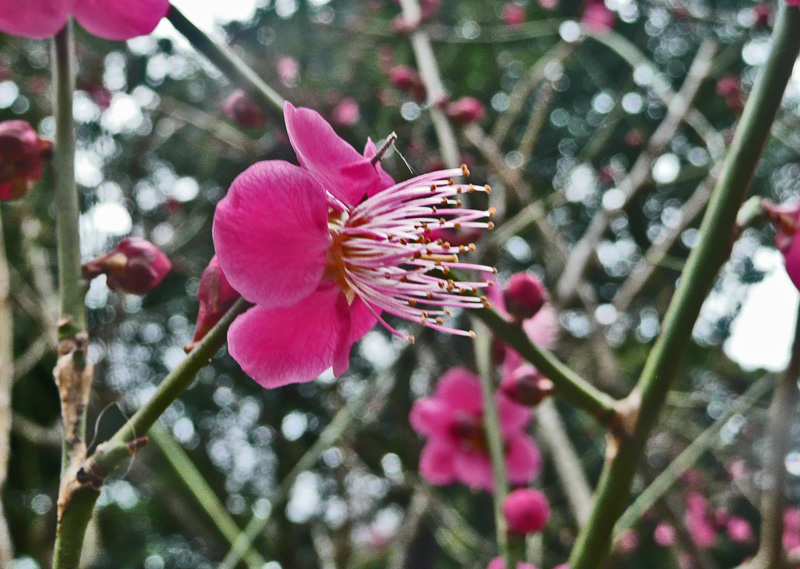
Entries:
{"x":383,"y":148}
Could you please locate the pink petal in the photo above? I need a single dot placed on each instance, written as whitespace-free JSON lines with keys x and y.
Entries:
{"x":436,"y":464}
{"x":791,"y":257}
{"x":431,"y":418}
{"x":363,"y":320}
{"x":278,"y":346}
{"x":523,"y":460}
{"x":460,"y":390}
{"x":34,"y":18}
{"x":338,"y":166}
{"x":384,"y":179}
{"x":543,"y":328}
{"x":475,"y":470}
{"x":271,"y":234}
{"x":120,"y":19}
{"x":513,"y":416}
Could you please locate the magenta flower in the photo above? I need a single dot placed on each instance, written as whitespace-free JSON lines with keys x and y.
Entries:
{"x":500,"y":563}
{"x":216,"y":296}
{"x":791,"y":529}
{"x":323,"y":249}
{"x":597,"y":18}
{"x":109,"y":19}
{"x":787,"y":219}
{"x":526,"y":510}
{"x":457,"y":451}
{"x":513,"y":15}
{"x":665,"y":535}
{"x":347,"y":112}
{"x":740,"y":530}
{"x":698,"y":521}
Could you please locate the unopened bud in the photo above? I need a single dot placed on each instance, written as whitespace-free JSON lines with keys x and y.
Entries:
{"x":526,"y":510}
{"x":216,"y":296}
{"x":513,"y":15}
{"x":243,"y":111}
{"x":465,"y":110}
{"x":524,"y":295}
{"x":22,"y":158}
{"x":135,"y":266}
{"x":526,"y":386}
{"x":407,"y":79}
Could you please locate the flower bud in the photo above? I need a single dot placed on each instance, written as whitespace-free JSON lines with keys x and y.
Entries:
{"x":740,"y":530}
{"x":465,"y":110}
{"x":524,"y":295}
{"x":243,"y":111}
{"x":135,"y":266}
{"x":22,"y":157}
{"x":526,"y":510}
{"x":407,"y":79}
{"x":526,"y":386}
{"x":513,"y":15}
{"x":216,"y":296}
{"x":787,"y":220}
{"x":665,"y":535}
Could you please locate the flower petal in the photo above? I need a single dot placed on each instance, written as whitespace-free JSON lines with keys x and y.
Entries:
{"x":523,"y":460}
{"x":338,"y":166}
{"x":34,"y":18}
{"x":431,"y":418}
{"x":120,"y":19}
{"x":362,"y":321}
{"x":513,"y":416}
{"x":475,"y":470}
{"x":271,"y":234}
{"x":542,"y":329}
{"x":460,"y":390}
{"x":436,"y":463}
{"x":278,"y":346}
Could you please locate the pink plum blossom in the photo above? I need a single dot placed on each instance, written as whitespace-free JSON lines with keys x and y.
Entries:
{"x":791,"y":529}
{"x":500,"y":563}
{"x":135,"y":266}
{"x":740,"y":530}
{"x":523,"y":296}
{"x":324,"y":248}
{"x":346,"y":113}
{"x":456,"y":450}
{"x":787,"y":219}
{"x":628,"y":540}
{"x":22,"y":157}
{"x":288,"y":70}
{"x":665,"y":535}
{"x":465,"y":110}
{"x":216,"y":296}
{"x":795,"y":3}
{"x":597,"y":19}
{"x":109,"y":19}
{"x":513,"y":15}
{"x":526,"y":510}
{"x":698,"y":521}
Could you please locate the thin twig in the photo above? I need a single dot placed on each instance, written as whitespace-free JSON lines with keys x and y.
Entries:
{"x":6,"y":383}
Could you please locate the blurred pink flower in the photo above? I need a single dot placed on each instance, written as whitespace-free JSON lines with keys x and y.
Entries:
{"x":135,"y":266}
{"x":698,"y":521}
{"x":597,"y":19}
{"x":740,"y":530}
{"x":664,"y":535}
{"x":346,"y":113}
{"x":336,"y":243}
{"x":513,"y":15}
{"x":109,"y":19}
{"x":791,"y":529}
{"x":288,"y":69}
{"x":216,"y":296}
{"x":526,"y":510}
{"x":457,"y":451}
{"x":500,"y":563}
{"x":628,"y":540}
{"x":22,"y":157}
{"x":465,"y":110}
{"x":243,"y":111}
{"x":787,"y":219}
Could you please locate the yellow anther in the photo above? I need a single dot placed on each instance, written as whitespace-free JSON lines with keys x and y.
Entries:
{"x":472,"y":334}
{"x":411,"y":339}
{"x":490,"y":225}
{"x":464,"y":170}
{"x":492,"y":212}
{"x":488,"y":189}
{"x":440,"y":320}
{"x":472,"y":247}
{"x":451,"y":182}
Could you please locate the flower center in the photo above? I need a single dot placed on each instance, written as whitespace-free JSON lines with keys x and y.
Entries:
{"x":386,"y":250}
{"x":468,"y":429}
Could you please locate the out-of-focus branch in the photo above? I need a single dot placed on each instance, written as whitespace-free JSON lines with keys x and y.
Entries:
{"x":781,"y":412}
{"x":6,"y":383}
{"x":429,"y":73}
{"x":580,"y":258}
{"x":415,"y":512}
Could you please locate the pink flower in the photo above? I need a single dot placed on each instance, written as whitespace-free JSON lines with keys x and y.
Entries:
{"x":243,"y":111}
{"x":500,"y":563}
{"x":791,"y":529}
{"x":698,"y":521}
{"x":109,"y":19}
{"x":664,"y":535}
{"x":526,"y":510}
{"x":513,"y":15}
{"x":346,"y":113}
{"x":288,"y":69}
{"x":795,"y":3}
{"x":135,"y":266}
{"x":740,"y":530}
{"x":465,"y":110}
{"x":216,"y":296}
{"x":22,"y":158}
{"x":597,"y":18}
{"x":787,"y":219}
{"x":628,"y":540}
{"x":526,"y":385}
{"x":324,"y":248}
{"x":456,"y":451}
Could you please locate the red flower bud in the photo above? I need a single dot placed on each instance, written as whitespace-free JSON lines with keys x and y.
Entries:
{"x":524,"y":295}
{"x":465,"y":110}
{"x":216,"y":296}
{"x":526,"y":510}
{"x":513,"y":15}
{"x":22,"y":157}
{"x":243,"y":111}
{"x":526,"y":386}
{"x":135,"y":266}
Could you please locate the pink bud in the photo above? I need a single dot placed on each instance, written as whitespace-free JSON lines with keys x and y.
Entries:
{"x":216,"y":296}
{"x":524,"y":295}
{"x":406,"y":78}
{"x":135,"y":266}
{"x":597,"y":18}
{"x":465,"y":110}
{"x":787,"y":220}
{"x":346,"y":113}
{"x":243,"y":111}
{"x":22,"y":158}
{"x":525,"y":385}
{"x":526,"y":510}
{"x":728,"y":84}
{"x":664,"y":535}
{"x":634,"y":138}
{"x":513,"y":15}
{"x":762,"y":13}
{"x":740,"y":530}
{"x":628,"y":541}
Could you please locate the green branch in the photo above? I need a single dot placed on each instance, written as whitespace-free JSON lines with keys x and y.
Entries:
{"x":592,"y":546}
{"x":233,"y":67}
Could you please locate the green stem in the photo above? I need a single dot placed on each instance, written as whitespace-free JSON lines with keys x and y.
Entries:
{"x":569,"y":384}
{"x":67,"y":210}
{"x":194,"y":480}
{"x":233,"y":67}
{"x":592,"y":546}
